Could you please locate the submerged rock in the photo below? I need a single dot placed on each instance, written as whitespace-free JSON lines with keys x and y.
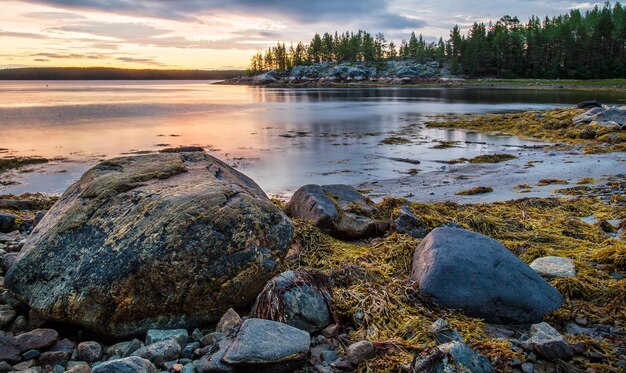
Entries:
{"x":339,"y":210}
{"x":554,"y":266}
{"x":206,"y":236}
{"x":470,"y":271}
{"x":302,"y":299}
{"x":451,"y":357}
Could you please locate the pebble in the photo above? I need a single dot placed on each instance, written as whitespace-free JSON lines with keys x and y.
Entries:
{"x":528,"y":368}
{"x":32,"y":354}
{"x":89,"y":351}
{"x":329,"y":356}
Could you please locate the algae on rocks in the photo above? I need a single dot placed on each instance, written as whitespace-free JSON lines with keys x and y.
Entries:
{"x":206,"y":236}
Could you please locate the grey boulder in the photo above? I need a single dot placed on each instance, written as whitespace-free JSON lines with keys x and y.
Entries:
{"x":268,"y":345}
{"x":186,"y":224}
{"x":131,"y":364}
{"x":464,"y":270}
{"x":302,"y":299}
{"x":159,"y":352}
{"x":339,"y":210}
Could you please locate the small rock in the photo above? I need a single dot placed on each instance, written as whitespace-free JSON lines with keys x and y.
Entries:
{"x":7,"y":222}
{"x":53,"y":358}
{"x":89,"y":351}
{"x":228,"y":320}
{"x":32,"y":354}
{"x":451,"y":357}
{"x":63,"y":345}
{"x":578,"y":348}
{"x":196,"y":335}
{"x":595,"y":356}
{"x":35,"y":320}
{"x":408,"y":223}
{"x":187,"y":352}
{"x":6,"y":316}
{"x":37,"y":339}
{"x":331,"y":331}
{"x":548,"y":342}
{"x":159,"y":352}
{"x":155,"y":335}
{"x":528,"y":368}
{"x":329,"y":356}
{"x":211,"y":338}
{"x":9,"y":348}
{"x":82,"y":368}
{"x":133,"y":346}
{"x":443,"y":333}
{"x":581,"y":320}
{"x":360,"y":351}
{"x":554,"y":266}
{"x":131,"y":364}
{"x":189,"y":368}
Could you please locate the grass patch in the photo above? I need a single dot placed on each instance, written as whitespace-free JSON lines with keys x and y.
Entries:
{"x":586,"y":180}
{"x":395,"y":140}
{"x":446,"y":144}
{"x":551,"y":126}
{"x":11,"y":163}
{"x":475,"y":190}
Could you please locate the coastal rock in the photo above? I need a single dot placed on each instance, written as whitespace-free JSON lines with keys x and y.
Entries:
{"x":548,"y":342}
{"x":131,"y":364}
{"x":554,"y":266}
{"x":302,"y":299}
{"x":227,"y":321}
{"x":588,"y":116}
{"x":451,"y":357}
{"x":206,"y":236}
{"x":589,"y":104}
{"x":36,"y":339}
{"x":443,"y":332}
{"x":607,"y":117}
{"x":160,"y":352}
{"x":7,"y":222}
{"x":470,"y":271}
{"x":408,"y":223}
{"x":268,"y":345}
{"x":360,"y":351}
{"x":179,"y":335}
{"x":89,"y":351}
{"x":339,"y":210}
{"x":9,"y":348}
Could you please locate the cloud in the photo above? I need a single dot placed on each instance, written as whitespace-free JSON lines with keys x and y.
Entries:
{"x":68,"y":56}
{"x":122,"y":31}
{"x":53,"y":15}
{"x":308,"y":11}
{"x":28,"y":35}
{"x":144,"y":60}
{"x":41,"y":60}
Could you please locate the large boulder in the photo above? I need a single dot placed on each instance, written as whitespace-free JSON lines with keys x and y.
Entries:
{"x":469,"y":271}
{"x":160,"y":241}
{"x":339,"y":210}
{"x":302,"y":299}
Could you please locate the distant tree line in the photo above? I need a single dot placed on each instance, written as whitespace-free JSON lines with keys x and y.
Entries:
{"x":105,"y":73}
{"x":575,"y":45}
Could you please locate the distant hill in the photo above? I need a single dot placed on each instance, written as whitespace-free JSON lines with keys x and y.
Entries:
{"x":106,"y":73}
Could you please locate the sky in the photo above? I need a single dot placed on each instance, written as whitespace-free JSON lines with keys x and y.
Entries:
{"x":222,"y":34}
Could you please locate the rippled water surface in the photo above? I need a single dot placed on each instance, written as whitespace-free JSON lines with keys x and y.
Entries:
{"x":282,"y":138}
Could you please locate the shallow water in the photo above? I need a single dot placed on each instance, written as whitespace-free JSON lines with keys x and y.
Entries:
{"x":282,"y":138}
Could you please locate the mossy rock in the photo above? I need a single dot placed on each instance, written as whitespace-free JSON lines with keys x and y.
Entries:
{"x":159,"y":241}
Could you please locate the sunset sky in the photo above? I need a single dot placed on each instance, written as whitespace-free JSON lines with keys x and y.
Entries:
{"x":212,"y":34}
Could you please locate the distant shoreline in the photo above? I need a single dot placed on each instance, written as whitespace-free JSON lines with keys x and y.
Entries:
{"x":105,"y":73}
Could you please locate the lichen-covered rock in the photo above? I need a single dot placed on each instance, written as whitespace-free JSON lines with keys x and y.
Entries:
{"x":470,"y":271}
{"x":339,"y":210}
{"x":450,"y":357}
{"x":548,"y":342}
{"x":302,"y":299}
{"x":187,"y":224}
{"x":268,"y":345}
{"x":554,"y":266}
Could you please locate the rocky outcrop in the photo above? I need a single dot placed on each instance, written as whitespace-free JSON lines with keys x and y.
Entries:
{"x":187,"y":224}
{"x":469,"y":271}
{"x":604,"y":116}
{"x":554,"y":266}
{"x":302,"y":299}
{"x":339,"y":210}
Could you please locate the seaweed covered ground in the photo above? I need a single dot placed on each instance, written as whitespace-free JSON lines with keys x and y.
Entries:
{"x":374,"y":298}
{"x":555,"y":126}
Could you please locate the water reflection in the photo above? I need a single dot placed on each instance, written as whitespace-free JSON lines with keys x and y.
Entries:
{"x":282,"y":138}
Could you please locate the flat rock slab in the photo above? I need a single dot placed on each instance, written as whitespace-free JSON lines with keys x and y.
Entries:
{"x":204,"y":235}
{"x":465,"y":270}
{"x":37,"y":339}
{"x":131,"y":364}
{"x":554,"y":266}
{"x":263,"y":343}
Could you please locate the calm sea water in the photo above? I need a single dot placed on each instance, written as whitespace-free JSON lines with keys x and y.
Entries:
{"x":282,"y":138}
